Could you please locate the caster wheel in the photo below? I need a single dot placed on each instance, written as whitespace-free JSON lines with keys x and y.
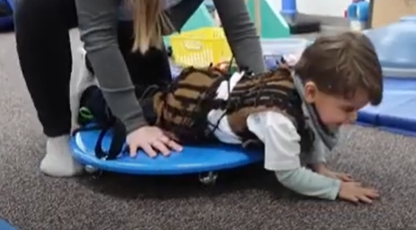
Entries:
{"x":90,"y":169}
{"x":94,"y":172}
{"x":208,"y":179}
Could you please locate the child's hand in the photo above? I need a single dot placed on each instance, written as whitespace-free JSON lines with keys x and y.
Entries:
{"x":323,"y":170}
{"x":345,"y":177}
{"x":354,"y":192}
{"x":337,"y":175}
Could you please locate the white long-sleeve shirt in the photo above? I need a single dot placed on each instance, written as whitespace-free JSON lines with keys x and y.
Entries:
{"x":282,"y":148}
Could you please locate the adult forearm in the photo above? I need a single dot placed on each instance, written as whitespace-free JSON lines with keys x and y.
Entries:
{"x":117,"y":87}
{"x":97,"y":21}
{"x":241,"y":34}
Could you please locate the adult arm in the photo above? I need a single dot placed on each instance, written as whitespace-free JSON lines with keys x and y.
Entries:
{"x":97,"y":21}
{"x":239,"y":29}
{"x":241,"y":34}
{"x":282,"y":152}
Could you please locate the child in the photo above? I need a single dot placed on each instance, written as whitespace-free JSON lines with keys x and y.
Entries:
{"x":294,"y":113}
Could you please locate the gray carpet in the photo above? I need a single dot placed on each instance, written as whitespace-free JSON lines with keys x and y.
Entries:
{"x":249,"y":199}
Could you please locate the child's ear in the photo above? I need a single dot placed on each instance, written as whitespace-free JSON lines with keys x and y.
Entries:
{"x":310,"y":92}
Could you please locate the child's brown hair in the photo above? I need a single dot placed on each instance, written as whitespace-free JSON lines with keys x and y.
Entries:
{"x":339,"y":65}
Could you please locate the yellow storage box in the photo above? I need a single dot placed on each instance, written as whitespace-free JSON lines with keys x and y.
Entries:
{"x":200,"y":47}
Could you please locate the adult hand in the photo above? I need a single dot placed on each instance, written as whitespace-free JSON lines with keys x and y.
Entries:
{"x":152,"y":140}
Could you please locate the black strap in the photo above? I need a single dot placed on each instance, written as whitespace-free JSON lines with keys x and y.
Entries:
{"x":93,"y":99}
{"x":117,"y":143}
{"x":99,"y":153}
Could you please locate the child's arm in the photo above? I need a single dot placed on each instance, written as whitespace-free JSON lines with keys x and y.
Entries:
{"x":282,"y":152}
{"x":318,"y":154}
{"x":316,"y":160}
{"x":308,"y":183}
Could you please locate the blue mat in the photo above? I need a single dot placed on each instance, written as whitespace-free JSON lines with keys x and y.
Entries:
{"x":394,"y":44}
{"x":397,"y":112}
{"x":6,"y":22}
{"x":190,"y":160}
{"x":6,"y":226}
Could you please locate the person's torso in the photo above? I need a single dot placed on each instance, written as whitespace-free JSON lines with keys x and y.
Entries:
{"x":201,"y":103}
{"x":225,"y":134}
{"x":126,"y":13}
{"x":273,"y":91}
{"x":223,"y":131}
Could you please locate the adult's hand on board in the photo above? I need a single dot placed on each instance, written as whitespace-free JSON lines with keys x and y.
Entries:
{"x":151,"y":140}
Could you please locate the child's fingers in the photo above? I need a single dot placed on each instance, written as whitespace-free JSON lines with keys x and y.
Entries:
{"x":372,"y":193}
{"x":345,"y":177}
{"x":348,"y":175}
{"x":353,"y":199}
{"x":365,"y":199}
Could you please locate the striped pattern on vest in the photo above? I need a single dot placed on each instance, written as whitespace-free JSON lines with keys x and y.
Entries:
{"x":183,"y":108}
{"x":266,"y":91}
{"x":270,"y":91}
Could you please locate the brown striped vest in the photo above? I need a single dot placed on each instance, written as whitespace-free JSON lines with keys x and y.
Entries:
{"x":182,"y":109}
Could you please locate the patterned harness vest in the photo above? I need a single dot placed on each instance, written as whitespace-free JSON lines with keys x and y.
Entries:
{"x":182,"y":109}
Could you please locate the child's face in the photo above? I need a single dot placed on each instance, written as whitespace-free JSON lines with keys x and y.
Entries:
{"x":335,"y":111}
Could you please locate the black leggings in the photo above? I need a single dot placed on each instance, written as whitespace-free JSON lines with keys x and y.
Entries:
{"x":44,"y":52}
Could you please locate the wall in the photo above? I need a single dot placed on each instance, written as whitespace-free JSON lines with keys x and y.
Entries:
{"x":334,"y":8}
{"x":320,"y":7}
{"x":323,"y":7}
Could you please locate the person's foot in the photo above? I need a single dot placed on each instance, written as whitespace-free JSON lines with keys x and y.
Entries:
{"x":58,"y":161}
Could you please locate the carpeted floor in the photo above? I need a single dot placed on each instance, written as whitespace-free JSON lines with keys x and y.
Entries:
{"x":248,"y":199}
